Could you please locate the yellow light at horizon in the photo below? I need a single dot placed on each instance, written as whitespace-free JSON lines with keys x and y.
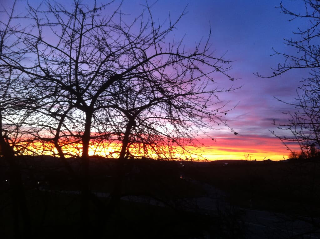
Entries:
{"x":205,"y":152}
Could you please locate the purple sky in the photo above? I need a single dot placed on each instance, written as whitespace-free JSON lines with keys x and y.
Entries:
{"x":245,"y":31}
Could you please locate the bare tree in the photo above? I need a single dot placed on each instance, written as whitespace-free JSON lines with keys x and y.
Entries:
{"x":302,"y":127}
{"x":303,"y":123}
{"x":107,"y":78}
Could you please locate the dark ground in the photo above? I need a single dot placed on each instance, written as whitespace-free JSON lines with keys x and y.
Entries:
{"x":221,"y":199}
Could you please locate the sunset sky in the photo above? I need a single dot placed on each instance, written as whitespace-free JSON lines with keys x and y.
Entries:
{"x":245,"y":32}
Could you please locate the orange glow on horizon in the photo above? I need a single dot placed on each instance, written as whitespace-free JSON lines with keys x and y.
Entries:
{"x":244,"y":147}
{"x":239,"y":148}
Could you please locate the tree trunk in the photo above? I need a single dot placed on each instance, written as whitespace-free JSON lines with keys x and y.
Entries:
{"x":85,"y":190}
{"x":120,"y":170}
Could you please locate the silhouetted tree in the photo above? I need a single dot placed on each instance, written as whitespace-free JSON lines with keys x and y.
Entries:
{"x":304,"y":122}
{"x":303,"y":125}
{"x":111,"y":78}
